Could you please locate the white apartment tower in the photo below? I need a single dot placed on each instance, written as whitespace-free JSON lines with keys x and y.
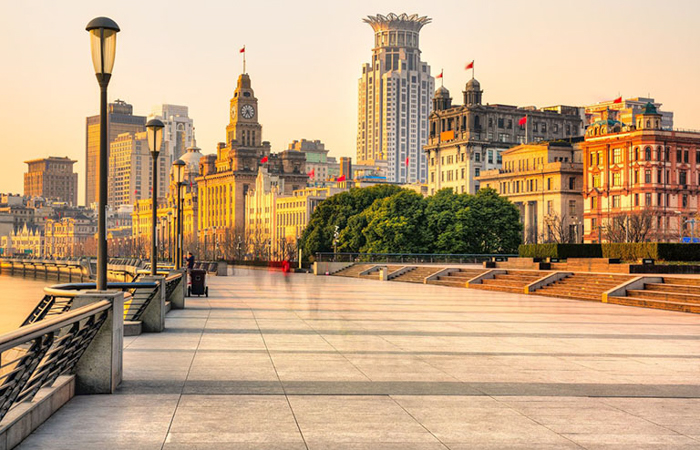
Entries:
{"x":394,"y":99}
{"x":179,"y":129}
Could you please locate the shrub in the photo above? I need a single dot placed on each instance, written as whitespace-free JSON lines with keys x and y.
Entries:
{"x":661,"y":251}
{"x":560,"y":251}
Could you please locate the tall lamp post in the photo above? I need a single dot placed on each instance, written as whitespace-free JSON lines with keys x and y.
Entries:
{"x":103,"y":44}
{"x":179,"y":175}
{"x":154,"y":128}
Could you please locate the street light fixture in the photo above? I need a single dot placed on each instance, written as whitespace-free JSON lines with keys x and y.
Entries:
{"x":103,"y":43}
{"x":179,"y":166}
{"x":154,"y":128}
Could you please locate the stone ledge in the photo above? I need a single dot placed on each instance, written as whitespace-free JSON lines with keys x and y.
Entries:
{"x":131,"y":328}
{"x":26,"y":417}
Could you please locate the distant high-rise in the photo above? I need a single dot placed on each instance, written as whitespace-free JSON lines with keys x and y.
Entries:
{"x":131,"y":170}
{"x":120,"y":119}
{"x":52,"y":178}
{"x":394,"y":99}
{"x":179,"y":129}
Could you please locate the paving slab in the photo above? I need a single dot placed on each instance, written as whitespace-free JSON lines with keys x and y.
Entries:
{"x":303,"y":362}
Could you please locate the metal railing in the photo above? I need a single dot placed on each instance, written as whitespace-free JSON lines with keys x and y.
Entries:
{"x":34,"y":355}
{"x":171,"y":283}
{"x":59,"y":299}
{"x":417,"y":258}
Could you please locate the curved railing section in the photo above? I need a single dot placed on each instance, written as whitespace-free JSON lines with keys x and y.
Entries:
{"x":34,"y":355}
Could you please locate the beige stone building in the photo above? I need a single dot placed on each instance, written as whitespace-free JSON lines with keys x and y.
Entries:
{"x":26,"y":241}
{"x":131,"y":170}
{"x":467,"y":140}
{"x":226,"y":178}
{"x":70,"y":236}
{"x":52,"y":178}
{"x":545,"y":182}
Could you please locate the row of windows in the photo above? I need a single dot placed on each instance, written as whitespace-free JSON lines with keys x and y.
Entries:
{"x":661,"y":200}
{"x":616,"y":177}
{"x":648,"y":154}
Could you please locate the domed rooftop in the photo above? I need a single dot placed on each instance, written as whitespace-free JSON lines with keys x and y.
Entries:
{"x":442,"y":92}
{"x":473,"y":85}
{"x":192,"y":157}
{"x":649,"y":108}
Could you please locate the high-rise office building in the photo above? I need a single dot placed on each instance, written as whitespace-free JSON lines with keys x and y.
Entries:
{"x":131,"y":170}
{"x":179,"y":129}
{"x":394,"y":99}
{"x":52,"y":178}
{"x":120,"y":119}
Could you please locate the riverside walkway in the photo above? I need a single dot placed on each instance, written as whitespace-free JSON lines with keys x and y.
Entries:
{"x":337,"y":363}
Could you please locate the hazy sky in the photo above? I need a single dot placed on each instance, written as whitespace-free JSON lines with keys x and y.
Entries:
{"x":304,"y":60}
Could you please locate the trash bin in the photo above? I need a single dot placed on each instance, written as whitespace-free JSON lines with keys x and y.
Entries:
{"x":198,"y":283}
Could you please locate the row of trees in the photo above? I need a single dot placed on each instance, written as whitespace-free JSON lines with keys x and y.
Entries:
{"x":389,"y":219}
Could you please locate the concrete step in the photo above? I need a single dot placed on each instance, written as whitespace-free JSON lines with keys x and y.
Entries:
{"x":527,"y":279}
{"x":665,"y":296}
{"x":682,"y":281}
{"x":498,"y":287}
{"x":569,"y":295}
{"x":656,"y":304}
{"x":448,"y":283}
{"x":506,"y":282}
{"x":682,"y":288}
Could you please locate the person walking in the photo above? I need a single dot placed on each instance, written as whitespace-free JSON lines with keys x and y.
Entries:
{"x":189,"y":260}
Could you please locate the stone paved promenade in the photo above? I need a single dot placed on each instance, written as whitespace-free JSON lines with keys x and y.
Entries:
{"x":330,"y":363}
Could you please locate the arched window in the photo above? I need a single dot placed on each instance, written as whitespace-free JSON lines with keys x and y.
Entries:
{"x":648,"y":123}
{"x":657,"y":124}
{"x":477,"y":122}
{"x":636,"y":153}
{"x":647,"y":154}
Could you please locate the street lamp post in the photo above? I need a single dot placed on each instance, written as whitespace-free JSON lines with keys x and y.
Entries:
{"x":103,"y":43}
{"x":154,"y":129}
{"x":179,"y":175}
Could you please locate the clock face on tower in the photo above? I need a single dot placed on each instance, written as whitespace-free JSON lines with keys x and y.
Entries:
{"x":233,"y":112}
{"x":247,"y":111}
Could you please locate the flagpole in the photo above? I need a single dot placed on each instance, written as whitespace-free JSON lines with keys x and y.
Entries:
{"x":244,"y":59}
{"x":473,"y":69}
{"x":442,"y":78}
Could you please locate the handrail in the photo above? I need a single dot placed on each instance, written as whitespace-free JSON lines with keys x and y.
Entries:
{"x":37,"y":329}
{"x":115,"y":285}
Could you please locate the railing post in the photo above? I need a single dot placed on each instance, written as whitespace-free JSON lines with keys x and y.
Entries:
{"x":100,"y":369}
{"x":153,"y":318}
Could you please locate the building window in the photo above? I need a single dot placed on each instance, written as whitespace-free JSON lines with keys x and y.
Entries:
{"x":683,"y":177}
{"x":490,"y":156}
{"x":647,"y":199}
{"x":477,"y":156}
{"x":549,"y":184}
{"x":636,"y":199}
{"x":685,"y":200}
{"x":477,"y":171}
{"x":647,"y":154}
{"x":617,"y":179}
{"x":572,"y":183}
{"x":550,"y":208}
{"x":500,"y":122}
{"x":647,"y":176}
{"x":617,"y":156}
{"x":572,"y":207}
{"x":659,"y":199}
{"x":594,"y":202}
{"x":616,"y":201}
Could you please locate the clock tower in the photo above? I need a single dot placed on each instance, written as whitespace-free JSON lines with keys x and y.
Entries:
{"x":243,"y":130}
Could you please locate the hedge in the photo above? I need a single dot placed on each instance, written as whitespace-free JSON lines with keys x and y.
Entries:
{"x":661,"y":251}
{"x":560,"y":251}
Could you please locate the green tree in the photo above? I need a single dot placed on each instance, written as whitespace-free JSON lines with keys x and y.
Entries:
{"x":496,"y":221}
{"x":337,"y":210}
{"x":396,"y":224}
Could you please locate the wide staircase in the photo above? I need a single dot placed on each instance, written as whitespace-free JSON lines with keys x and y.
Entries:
{"x":374,"y":275}
{"x":354,"y":270}
{"x":583,"y":286}
{"x":417,"y":274}
{"x":511,"y":281}
{"x":458,"y":278}
{"x":673,"y":294}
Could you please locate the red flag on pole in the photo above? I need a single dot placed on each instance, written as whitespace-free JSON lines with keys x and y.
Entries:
{"x":522,"y":121}
{"x":312,"y":173}
{"x":341,"y":178}
{"x":407,"y":159}
{"x":264,"y":160}
{"x":440,"y":76}
{"x":470,"y":65}
{"x":618,"y":100}
{"x":242,"y":50}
